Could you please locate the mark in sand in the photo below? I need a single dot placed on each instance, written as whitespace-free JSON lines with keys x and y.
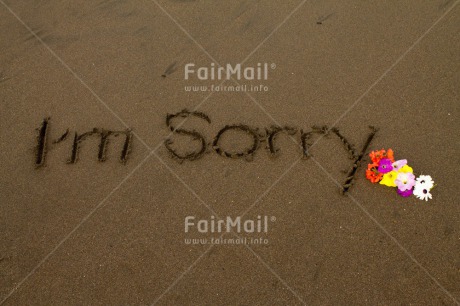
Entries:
{"x":170,"y":69}
{"x":42,"y":143}
{"x":256,"y":135}
{"x":324,"y":18}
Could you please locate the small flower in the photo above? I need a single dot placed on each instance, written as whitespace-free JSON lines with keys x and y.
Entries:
{"x":406,"y":168}
{"x":422,"y":193}
{"x":385,"y":165}
{"x":426,"y":181}
{"x":389,"y":178}
{"x":405,"y":193}
{"x":390,"y":155}
{"x":397,"y":165}
{"x":405,"y":181}
{"x":372,"y":174}
{"x":423,"y":185}
{"x":376,"y":156}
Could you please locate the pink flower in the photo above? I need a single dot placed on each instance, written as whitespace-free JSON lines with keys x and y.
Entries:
{"x":385,"y":165}
{"x":399,"y":164}
{"x":405,"y":181}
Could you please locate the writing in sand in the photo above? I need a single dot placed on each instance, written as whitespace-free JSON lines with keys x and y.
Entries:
{"x":256,"y":138}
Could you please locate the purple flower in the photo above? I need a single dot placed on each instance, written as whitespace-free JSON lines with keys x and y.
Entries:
{"x":385,"y":165}
{"x":405,"y":193}
{"x":399,"y":164}
{"x":405,"y":181}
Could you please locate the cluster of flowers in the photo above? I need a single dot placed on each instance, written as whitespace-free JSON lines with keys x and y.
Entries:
{"x":386,"y":171}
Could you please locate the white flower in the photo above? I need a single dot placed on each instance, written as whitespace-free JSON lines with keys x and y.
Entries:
{"x":422,"y":187}
{"x":425,"y":181}
{"x":421,"y":192}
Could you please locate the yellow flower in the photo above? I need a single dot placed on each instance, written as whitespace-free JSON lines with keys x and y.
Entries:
{"x":406,"y":169}
{"x":390,"y":177}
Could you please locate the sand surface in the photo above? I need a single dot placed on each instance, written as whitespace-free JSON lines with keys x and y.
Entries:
{"x":108,"y":233}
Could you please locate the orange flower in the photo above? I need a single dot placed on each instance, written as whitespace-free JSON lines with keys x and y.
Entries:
{"x":372,"y":174}
{"x":390,"y":155}
{"x":376,"y":156}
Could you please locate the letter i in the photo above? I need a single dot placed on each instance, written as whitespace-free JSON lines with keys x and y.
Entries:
{"x":212,"y":71}
{"x":212,"y":224}
{"x":41,"y":143}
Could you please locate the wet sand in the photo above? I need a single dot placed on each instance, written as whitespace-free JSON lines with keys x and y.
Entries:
{"x":100,"y":231}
